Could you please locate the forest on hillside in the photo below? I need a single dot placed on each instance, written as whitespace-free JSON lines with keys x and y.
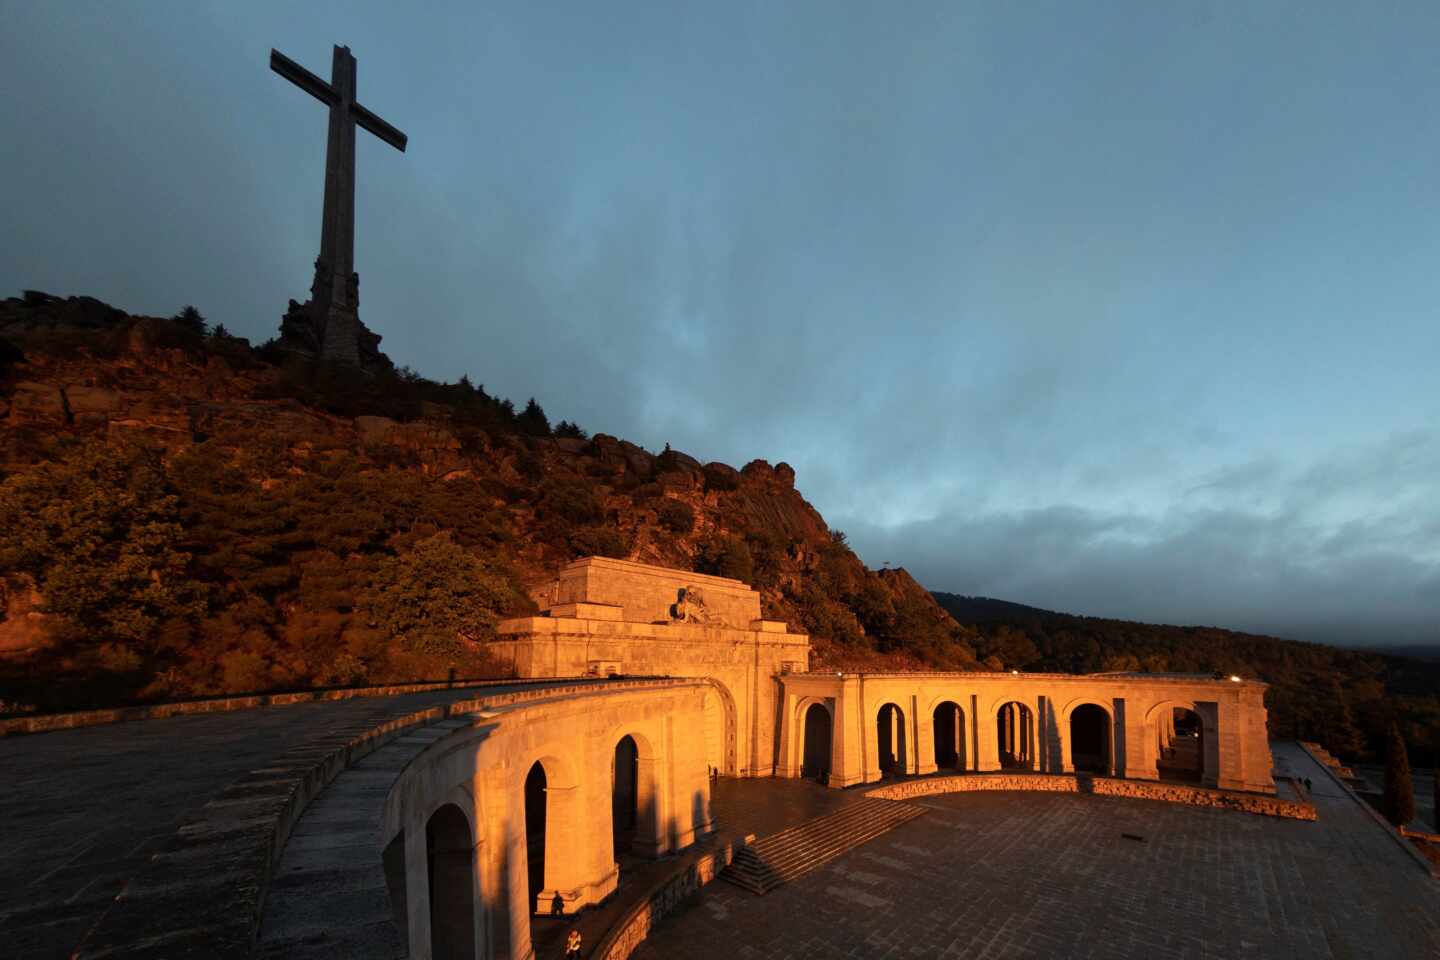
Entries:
{"x":1343,"y":699}
{"x":188,"y":516}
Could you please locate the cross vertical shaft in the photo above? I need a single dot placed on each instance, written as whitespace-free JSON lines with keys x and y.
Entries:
{"x":336,"y":289}
{"x":335,"y":292}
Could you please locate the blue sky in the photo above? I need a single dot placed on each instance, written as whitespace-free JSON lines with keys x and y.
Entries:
{"x":1127,"y":310}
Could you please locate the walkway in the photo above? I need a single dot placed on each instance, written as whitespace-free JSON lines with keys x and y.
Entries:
{"x":84,"y":809}
{"x":1054,"y":875}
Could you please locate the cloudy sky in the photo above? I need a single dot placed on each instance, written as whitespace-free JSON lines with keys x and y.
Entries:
{"x":1126,"y":309}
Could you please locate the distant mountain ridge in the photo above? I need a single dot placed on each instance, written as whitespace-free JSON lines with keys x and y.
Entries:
{"x":988,"y":609}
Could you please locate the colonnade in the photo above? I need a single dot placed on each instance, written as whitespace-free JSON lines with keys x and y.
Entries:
{"x":1201,"y":729}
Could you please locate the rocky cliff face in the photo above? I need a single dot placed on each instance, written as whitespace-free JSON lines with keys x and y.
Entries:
{"x":74,"y":370}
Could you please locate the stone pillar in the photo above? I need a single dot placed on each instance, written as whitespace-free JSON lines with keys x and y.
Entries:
{"x":987,"y":744}
{"x":792,"y":736}
{"x":847,"y":755}
{"x":1119,"y":737}
{"x":924,"y":740}
{"x":1211,"y":744}
{"x":579,"y":856}
{"x":963,"y":753}
{"x":1067,"y":746}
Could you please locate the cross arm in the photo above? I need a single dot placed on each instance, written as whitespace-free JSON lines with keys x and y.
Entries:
{"x":379,"y":127}
{"x":302,"y":78}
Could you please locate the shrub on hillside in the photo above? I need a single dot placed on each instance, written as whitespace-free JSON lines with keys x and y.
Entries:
{"x":676,"y":516}
{"x":726,"y":556}
{"x":434,"y":596}
{"x":100,"y":534}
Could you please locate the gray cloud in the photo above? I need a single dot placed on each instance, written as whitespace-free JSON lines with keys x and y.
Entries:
{"x":1045,"y":303}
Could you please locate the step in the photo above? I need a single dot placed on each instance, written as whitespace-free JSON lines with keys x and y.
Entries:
{"x":795,"y":851}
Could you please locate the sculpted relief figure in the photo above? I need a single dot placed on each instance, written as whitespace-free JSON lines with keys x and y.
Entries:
{"x":689,"y":606}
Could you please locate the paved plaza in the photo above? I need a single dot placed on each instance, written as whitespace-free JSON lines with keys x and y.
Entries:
{"x":988,"y":875}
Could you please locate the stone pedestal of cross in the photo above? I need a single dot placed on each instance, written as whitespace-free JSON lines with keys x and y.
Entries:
{"x":335,"y":293}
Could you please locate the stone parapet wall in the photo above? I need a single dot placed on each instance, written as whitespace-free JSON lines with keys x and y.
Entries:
{"x":1261,"y":804}
{"x":44,"y":723}
{"x":662,"y":899}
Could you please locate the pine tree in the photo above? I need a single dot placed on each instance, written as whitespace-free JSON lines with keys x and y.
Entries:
{"x":192,"y":319}
{"x":1399,"y":802}
{"x":533,"y":420}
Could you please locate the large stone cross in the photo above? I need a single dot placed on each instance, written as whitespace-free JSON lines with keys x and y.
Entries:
{"x":335,"y":294}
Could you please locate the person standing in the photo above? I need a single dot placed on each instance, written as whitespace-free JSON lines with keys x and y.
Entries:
{"x":572,"y":945}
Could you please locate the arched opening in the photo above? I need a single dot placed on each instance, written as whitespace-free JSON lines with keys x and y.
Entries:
{"x":949,"y":736}
{"x":535,"y":813}
{"x":449,"y":853}
{"x":815,"y":761}
{"x":1015,"y":731}
{"x":1090,"y":737}
{"x":890,"y":735}
{"x":721,"y":745}
{"x":1181,"y":742}
{"x":624,"y":793}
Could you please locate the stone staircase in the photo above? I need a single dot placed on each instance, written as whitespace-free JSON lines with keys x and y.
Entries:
{"x":779,"y":858}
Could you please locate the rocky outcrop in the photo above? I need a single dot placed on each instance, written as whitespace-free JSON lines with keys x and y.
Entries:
{"x":302,"y":333}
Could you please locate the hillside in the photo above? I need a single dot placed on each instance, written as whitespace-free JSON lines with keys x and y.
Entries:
{"x":190,"y":515}
{"x":1345,"y":699}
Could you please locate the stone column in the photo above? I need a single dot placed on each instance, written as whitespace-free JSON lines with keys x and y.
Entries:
{"x":1211,"y":744}
{"x":579,"y":856}
{"x":847,"y":733}
{"x":924,"y":740}
{"x":987,"y":743}
{"x":1067,"y":746}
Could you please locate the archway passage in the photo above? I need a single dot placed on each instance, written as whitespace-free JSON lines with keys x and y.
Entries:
{"x":535,"y":814}
{"x":1181,"y":754}
{"x":1090,"y":737}
{"x":624,"y":793}
{"x":949,"y":736}
{"x":1015,"y":733}
{"x":890,"y":735}
{"x":815,"y":760}
{"x":450,"y":857}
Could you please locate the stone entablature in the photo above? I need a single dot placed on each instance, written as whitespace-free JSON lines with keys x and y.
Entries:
{"x":650,"y":594}
{"x":1233,"y":746}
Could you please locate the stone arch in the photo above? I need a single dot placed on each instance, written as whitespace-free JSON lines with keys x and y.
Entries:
{"x":1178,"y":747}
{"x":1088,"y":742}
{"x":1016,"y":730}
{"x":450,"y":863}
{"x":891,"y":753}
{"x":947,"y":719}
{"x":817,"y":738}
{"x":645,"y":834}
{"x":549,"y":798}
{"x":721,"y":726}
